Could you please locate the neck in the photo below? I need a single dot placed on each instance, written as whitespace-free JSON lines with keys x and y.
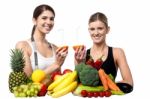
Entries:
{"x":39,"y":37}
{"x":99,"y":47}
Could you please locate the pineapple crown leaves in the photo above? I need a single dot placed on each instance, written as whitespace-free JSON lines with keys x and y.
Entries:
{"x":17,"y":61}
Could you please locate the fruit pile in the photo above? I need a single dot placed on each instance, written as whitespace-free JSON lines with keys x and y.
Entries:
{"x":63,"y":84}
{"x":29,"y":90}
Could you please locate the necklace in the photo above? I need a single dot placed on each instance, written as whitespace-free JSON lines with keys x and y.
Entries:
{"x":97,"y":54}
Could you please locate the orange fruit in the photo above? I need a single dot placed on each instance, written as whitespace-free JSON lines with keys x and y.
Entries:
{"x":38,"y":75}
{"x":63,"y":47}
{"x":75,"y":47}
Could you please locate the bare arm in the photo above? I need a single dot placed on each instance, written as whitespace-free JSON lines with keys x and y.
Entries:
{"x":123,"y":66}
{"x":60,"y":54}
{"x":23,"y":45}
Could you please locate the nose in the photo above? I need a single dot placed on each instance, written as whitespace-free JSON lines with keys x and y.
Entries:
{"x":96,"y":32}
{"x":50,"y":22}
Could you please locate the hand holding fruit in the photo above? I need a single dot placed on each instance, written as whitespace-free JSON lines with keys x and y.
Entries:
{"x":80,"y":52}
{"x":61,"y":54}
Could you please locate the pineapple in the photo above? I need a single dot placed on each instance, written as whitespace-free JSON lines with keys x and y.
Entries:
{"x":17,"y":76}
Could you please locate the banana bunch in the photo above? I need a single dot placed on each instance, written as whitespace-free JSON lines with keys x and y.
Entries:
{"x":63,"y":85}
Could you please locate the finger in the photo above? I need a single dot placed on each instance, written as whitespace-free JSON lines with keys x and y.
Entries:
{"x":63,"y":54}
{"x":84,"y":47}
{"x":65,"y":49}
{"x":83,"y":55}
{"x":58,"y":55}
{"x":58,"y":50}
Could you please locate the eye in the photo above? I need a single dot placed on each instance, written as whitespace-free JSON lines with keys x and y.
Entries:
{"x":91,"y":29}
{"x":100,"y":28}
{"x":44,"y":17}
{"x":52,"y":18}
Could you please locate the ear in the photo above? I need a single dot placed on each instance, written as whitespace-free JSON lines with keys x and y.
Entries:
{"x":108,"y":29}
{"x":34,"y":21}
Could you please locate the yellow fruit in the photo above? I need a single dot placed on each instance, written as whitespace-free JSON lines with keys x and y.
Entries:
{"x":72,"y":77}
{"x":57,"y":82}
{"x":38,"y":75}
{"x":65,"y":90}
{"x":57,"y":77}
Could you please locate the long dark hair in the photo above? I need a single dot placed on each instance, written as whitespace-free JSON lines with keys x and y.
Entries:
{"x":38,"y":10}
{"x":99,"y":16}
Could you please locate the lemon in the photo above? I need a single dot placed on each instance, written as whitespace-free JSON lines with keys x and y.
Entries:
{"x":38,"y":75}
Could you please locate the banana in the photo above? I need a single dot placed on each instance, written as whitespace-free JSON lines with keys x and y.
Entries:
{"x":58,"y":81}
{"x":65,"y":90}
{"x":72,"y":77}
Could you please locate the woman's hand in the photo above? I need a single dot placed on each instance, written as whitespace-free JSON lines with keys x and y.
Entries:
{"x":61,"y":54}
{"x":80,"y":54}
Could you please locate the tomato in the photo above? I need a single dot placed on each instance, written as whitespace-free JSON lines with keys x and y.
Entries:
{"x":102,"y":94}
{"x":83,"y":93}
{"x":107,"y":93}
{"x":90,"y":94}
{"x":96,"y":94}
{"x":67,"y":71}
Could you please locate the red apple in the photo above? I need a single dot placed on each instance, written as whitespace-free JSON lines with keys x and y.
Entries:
{"x":57,"y":77}
{"x":43,"y":90}
{"x":54,"y":74}
{"x":67,"y":71}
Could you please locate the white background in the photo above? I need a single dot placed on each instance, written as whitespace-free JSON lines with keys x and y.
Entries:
{"x":128,"y":19}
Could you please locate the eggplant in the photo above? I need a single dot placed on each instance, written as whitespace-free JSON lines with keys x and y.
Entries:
{"x":125,"y":87}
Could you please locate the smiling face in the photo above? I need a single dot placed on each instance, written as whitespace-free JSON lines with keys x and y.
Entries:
{"x":98,"y":27}
{"x":98,"y":31}
{"x":45,"y":22}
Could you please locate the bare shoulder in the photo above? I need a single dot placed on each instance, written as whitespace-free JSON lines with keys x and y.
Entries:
{"x":118,"y":53}
{"x":23,"y":45}
{"x":117,"y":50}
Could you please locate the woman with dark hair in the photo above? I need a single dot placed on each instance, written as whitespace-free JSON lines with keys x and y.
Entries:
{"x":100,"y":55}
{"x":38,"y":52}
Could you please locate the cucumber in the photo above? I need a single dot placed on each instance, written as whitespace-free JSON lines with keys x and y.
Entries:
{"x":117,"y":92}
{"x":81,"y":87}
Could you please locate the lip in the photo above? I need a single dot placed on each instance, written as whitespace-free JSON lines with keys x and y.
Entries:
{"x":48,"y":27}
{"x":96,"y":37}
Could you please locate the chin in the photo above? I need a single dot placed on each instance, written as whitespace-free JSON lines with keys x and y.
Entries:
{"x":97,"y":41}
{"x":46,"y":32}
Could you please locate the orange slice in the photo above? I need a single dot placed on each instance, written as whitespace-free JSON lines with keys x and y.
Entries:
{"x":76,"y":47}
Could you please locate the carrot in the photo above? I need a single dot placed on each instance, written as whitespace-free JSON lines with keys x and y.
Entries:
{"x":112,"y":85}
{"x":103,"y":79}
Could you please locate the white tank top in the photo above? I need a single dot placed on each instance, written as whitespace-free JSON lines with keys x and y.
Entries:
{"x":43,"y":62}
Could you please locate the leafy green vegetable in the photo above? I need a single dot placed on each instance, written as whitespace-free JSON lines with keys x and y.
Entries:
{"x":87,"y":75}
